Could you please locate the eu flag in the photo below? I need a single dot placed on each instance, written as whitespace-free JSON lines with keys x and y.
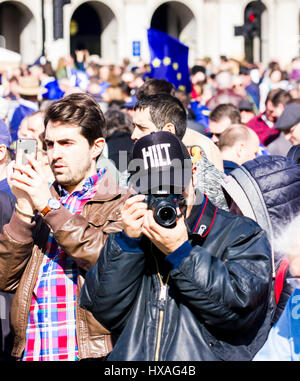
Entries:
{"x":169,"y":59}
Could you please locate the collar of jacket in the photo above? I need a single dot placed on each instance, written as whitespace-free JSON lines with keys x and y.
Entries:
{"x":107,"y":189}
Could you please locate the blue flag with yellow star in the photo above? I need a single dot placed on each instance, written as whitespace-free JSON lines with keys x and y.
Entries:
{"x":169,"y":59}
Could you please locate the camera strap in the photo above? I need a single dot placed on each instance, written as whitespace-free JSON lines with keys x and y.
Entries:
{"x":206,"y":219}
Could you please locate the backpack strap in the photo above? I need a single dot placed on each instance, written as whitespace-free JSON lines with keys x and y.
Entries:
{"x":279,"y":279}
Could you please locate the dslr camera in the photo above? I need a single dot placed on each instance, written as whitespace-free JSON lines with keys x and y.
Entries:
{"x":164,"y":208}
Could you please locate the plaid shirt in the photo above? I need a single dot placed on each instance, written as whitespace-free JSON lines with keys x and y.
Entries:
{"x":51,"y":329}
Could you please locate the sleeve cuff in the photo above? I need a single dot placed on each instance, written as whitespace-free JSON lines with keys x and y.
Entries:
{"x":179,"y":254}
{"x":127,"y":243}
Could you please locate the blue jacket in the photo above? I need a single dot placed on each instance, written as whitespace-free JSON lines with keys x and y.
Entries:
{"x":201,"y":113}
{"x":19,"y":114}
{"x":229,"y":166}
{"x":53,"y":90}
{"x":283,"y":343}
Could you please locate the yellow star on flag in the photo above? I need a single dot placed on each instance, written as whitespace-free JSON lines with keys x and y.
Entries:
{"x":179,"y":76}
{"x":167,"y":61}
{"x":182,"y":88}
{"x":156,"y":62}
{"x":175,"y":66}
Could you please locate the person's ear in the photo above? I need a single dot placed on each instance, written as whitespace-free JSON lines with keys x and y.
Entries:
{"x":98,"y":147}
{"x":169,"y":127}
{"x":240,"y":150}
{"x":194,"y":171}
{"x":3,"y":151}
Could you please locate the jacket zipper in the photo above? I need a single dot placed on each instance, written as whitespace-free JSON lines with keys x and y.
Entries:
{"x":162,"y":299}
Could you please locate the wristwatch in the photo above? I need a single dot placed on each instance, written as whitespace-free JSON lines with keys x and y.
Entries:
{"x":53,"y":204}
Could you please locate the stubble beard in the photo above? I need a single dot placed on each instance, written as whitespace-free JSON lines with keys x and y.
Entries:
{"x":73,"y":178}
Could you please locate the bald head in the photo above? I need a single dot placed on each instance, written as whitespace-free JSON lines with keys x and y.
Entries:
{"x":239,"y":144}
{"x":224,"y":80}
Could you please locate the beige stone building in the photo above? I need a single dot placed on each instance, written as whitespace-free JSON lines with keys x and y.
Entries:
{"x":115,"y":29}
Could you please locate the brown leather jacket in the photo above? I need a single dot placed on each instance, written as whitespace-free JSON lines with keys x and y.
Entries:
{"x":81,"y":236}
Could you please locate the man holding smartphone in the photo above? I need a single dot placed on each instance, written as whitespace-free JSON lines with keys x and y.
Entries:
{"x":56,"y":234}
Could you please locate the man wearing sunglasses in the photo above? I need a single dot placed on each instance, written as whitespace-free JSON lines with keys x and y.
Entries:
{"x":221,"y":118}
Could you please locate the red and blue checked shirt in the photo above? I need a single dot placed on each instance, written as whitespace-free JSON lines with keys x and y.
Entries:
{"x":51,"y":328}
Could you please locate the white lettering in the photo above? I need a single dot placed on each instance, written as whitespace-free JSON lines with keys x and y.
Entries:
{"x":202,"y":229}
{"x":176,"y":370}
{"x":119,"y":371}
{"x":157,"y":157}
{"x":167,"y":160}
{"x":149,"y":155}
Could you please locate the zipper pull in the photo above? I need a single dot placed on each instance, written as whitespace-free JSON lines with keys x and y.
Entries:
{"x":163,"y":293}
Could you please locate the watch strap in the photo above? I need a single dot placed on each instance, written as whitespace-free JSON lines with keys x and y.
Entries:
{"x":46,"y":210}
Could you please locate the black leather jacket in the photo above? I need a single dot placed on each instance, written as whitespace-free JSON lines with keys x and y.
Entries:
{"x":215,"y":304}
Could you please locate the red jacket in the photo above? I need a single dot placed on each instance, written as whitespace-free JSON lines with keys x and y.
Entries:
{"x":264,"y":129}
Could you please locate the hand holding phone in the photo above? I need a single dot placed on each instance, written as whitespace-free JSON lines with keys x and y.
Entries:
{"x":25,"y":147}
{"x":27,"y":180}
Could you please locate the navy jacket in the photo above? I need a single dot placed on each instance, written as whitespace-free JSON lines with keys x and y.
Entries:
{"x":271,"y":185}
{"x":214,"y":305}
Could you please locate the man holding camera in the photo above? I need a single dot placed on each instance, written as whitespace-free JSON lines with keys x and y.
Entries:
{"x":191,"y":289}
{"x":55,"y":235}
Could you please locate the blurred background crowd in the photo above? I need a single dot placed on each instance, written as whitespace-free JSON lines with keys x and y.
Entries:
{"x":258,"y":96}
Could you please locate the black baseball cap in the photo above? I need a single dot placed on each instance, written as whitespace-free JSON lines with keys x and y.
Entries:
{"x":289,"y":117}
{"x":160,"y":164}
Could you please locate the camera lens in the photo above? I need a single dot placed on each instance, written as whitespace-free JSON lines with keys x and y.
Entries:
{"x":164,"y":209}
{"x":166,"y":216}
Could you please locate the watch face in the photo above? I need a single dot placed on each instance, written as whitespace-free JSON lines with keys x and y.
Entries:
{"x":54,"y":204}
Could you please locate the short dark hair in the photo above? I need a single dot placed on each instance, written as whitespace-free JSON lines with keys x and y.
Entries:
{"x":226,"y":110}
{"x":196,"y":68}
{"x":80,"y":109}
{"x":281,"y":97}
{"x":165,"y":108}
{"x":117,"y":120}
{"x":48,"y":69}
{"x":272,"y":94}
{"x":155,"y":86}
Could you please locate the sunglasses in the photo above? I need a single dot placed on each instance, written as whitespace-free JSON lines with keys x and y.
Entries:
{"x":211,"y":134}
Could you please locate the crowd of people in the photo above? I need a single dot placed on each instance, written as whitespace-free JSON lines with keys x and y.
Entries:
{"x":151,"y":224}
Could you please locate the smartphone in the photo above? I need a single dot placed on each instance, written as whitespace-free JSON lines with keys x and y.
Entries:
{"x":25,"y":147}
